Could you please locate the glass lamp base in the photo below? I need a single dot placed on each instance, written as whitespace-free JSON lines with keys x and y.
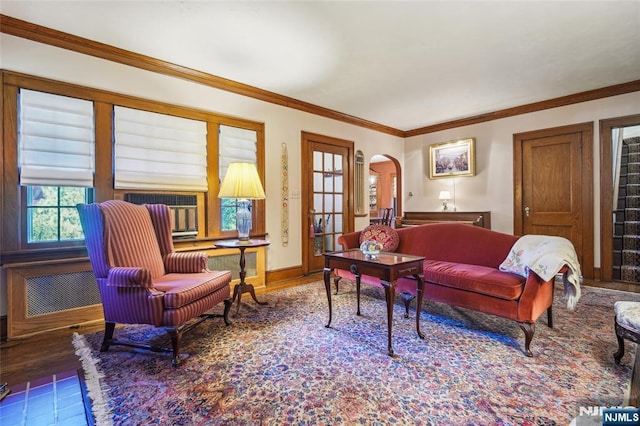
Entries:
{"x":243,"y":221}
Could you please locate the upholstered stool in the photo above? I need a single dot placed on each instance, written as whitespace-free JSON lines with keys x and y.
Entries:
{"x":627,"y":325}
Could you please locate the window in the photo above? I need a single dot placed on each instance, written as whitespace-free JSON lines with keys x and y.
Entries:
{"x":52,"y":214}
{"x":159,"y":151}
{"x":229,"y":208}
{"x":235,"y":145}
{"x":56,"y":159}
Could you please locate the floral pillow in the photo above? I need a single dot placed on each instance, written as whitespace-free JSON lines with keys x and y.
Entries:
{"x":383,"y":234}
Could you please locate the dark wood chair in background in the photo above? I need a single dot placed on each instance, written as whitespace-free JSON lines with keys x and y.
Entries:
{"x":387,"y":216}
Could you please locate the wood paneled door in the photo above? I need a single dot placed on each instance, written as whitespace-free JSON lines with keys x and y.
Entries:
{"x":553,"y":186}
{"x":327,"y":196}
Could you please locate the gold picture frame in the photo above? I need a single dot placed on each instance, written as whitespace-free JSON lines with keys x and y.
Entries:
{"x":452,"y":158}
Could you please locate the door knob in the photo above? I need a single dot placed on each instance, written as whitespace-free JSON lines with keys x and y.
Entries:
{"x":526,"y":211}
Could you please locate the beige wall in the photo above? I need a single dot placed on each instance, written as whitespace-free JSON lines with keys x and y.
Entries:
{"x":492,"y":187}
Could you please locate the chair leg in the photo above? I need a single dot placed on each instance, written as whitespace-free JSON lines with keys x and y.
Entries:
{"x":176,"y":338}
{"x":529,"y":329}
{"x":620,"y":333}
{"x":550,"y":316}
{"x":227,"y":307}
{"x":335,"y":281}
{"x":618,"y":355}
{"x":109,"y":327}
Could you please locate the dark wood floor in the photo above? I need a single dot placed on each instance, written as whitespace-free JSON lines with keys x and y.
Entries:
{"x":52,"y":352}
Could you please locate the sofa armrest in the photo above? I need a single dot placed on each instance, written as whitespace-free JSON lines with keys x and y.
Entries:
{"x":536,"y":297}
{"x":186,"y":263}
{"x":121,"y":276}
{"x":350,"y":240}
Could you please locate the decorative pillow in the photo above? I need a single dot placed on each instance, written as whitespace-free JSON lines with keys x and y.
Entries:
{"x":383,"y":234}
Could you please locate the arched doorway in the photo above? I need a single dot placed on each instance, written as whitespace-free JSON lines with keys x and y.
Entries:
{"x":385,"y":187}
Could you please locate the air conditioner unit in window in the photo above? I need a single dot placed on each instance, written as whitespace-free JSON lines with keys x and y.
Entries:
{"x":184,"y":209}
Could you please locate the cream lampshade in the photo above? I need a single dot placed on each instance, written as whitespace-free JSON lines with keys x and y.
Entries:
{"x":444,"y":196}
{"x":243,"y":183}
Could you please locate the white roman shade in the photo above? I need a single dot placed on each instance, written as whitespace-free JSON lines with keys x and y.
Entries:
{"x":159,"y":152}
{"x":56,"y":140}
{"x":236,"y":145}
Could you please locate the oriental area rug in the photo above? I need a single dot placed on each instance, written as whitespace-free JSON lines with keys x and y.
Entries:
{"x":279,"y":365}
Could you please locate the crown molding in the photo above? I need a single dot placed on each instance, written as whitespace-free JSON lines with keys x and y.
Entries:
{"x":590,"y":95}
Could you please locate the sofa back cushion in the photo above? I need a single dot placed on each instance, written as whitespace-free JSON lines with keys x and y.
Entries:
{"x":383,"y":234}
{"x":456,"y":242}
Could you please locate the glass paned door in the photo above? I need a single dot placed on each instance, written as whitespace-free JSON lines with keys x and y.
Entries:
{"x":326,"y":199}
{"x":328,"y":192}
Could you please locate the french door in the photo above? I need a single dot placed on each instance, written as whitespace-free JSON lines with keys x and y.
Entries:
{"x":327,"y":188}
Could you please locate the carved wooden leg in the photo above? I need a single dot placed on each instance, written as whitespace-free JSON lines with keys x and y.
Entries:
{"x":529,"y":329}
{"x":358,"y":286}
{"x":227,"y":307}
{"x":327,"y":286}
{"x":619,"y":335}
{"x":389,"y":292}
{"x":109,"y":327}
{"x":550,"y":316}
{"x":618,"y":355}
{"x":176,"y":338}
{"x":336,"y":279}
{"x":406,"y":298}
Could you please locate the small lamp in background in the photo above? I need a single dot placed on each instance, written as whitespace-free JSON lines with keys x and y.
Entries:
{"x":444,"y":196}
{"x":242,"y":182}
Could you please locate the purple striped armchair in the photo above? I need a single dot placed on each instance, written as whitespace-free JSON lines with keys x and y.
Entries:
{"x":141,"y":279}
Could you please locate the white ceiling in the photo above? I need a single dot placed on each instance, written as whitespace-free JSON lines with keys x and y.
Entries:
{"x":404,"y":64}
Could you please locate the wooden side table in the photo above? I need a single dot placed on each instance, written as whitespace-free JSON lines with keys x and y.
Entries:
{"x":242,"y":286}
{"x":386,"y":266}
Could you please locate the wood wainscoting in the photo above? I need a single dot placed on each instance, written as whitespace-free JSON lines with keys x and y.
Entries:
{"x":45,"y":296}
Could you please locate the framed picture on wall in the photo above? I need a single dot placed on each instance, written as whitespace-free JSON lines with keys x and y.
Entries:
{"x":453,"y":158}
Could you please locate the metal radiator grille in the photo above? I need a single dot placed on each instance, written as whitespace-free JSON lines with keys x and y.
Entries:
{"x":184,"y":208}
{"x":53,"y":293}
{"x":231,"y":262}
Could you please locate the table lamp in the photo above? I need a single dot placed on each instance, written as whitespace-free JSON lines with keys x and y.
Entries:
{"x":243,"y":183}
{"x":444,"y":196}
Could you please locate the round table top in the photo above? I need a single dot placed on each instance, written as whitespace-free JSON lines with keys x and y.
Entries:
{"x":241,"y":243}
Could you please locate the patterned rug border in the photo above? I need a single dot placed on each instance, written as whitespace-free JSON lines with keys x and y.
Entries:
{"x":97,"y":390}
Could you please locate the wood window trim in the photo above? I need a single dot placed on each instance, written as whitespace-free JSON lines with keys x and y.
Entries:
{"x":13,"y":226}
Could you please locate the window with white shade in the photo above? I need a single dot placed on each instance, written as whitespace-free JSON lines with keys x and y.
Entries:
{"x":159,"y":152}
{"x":234,"y":145}
{"x":56,"y":157}
{"x":56,"y":140}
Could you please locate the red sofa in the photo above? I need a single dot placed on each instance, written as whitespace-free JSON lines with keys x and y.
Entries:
{"x":462,"y":270}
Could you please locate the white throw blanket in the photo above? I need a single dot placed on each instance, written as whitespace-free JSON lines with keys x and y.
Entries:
{"x":546,"y":255}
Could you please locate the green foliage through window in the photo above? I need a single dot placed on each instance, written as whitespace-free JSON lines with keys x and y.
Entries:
{"x":52,"y":214}
{"x":229,"y":208}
